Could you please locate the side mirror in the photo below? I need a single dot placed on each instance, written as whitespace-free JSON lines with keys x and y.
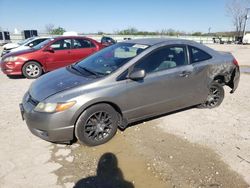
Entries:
{"x":137,"y":74}
{"x":31,"y":44}
{"x":49,"y":49}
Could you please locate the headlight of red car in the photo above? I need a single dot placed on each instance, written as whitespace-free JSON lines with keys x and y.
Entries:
{"x":10,"y":59}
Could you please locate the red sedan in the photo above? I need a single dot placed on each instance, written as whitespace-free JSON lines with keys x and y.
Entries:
{"x":49,"y":55}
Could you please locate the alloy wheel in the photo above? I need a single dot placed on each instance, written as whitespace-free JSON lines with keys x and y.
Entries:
{"x":98,"y":126}
{"x":213,"y":98}
{"x":32,"y":70}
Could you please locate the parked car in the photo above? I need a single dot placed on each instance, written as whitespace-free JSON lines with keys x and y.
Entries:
{"x":127,"y":38}
{"x":107,"y":41}
{"x":218,"y":40}
{"x":125,"y":83}
{"x":24,"y":45}
{"x":12,"y":45}
{"x":49,"y":55}
{"x":246,"y":39}
{"x":238,"y":39}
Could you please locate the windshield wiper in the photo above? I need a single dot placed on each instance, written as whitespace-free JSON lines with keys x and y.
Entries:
{"x":74,"y":68}
{"x":89,"y":71}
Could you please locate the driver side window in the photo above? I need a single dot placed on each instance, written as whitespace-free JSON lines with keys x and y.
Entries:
{"x":163,"y":58}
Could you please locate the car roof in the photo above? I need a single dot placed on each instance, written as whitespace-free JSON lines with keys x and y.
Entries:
{"x":154,"y":41}
{"x":170,"y":41}
{"x":41,"y":37}
{"x":62,"y":37}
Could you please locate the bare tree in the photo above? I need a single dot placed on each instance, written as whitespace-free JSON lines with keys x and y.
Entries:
{"x":236,"y":9}
{"x":49,"y":28}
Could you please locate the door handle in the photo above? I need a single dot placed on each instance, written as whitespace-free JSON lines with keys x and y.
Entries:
{"x":185,"y":74}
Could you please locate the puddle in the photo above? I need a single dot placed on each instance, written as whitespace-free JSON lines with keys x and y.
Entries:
{"x":142,"y":156}
{"x":125,"y":168}
{"x":245,"y":69}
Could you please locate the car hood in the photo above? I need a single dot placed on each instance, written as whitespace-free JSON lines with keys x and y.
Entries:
{"x":10,"y":46}
{"x":19,"y":52}
{"x":55,"y":82}
{"x":20,"y":48}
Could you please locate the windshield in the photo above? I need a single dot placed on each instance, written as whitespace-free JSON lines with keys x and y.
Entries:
{"x":25,"y":41}
{"x":110,"y":59}
{"x":42,"y":44}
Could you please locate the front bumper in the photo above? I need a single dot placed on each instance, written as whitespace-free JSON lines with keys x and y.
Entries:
{"x":15,"y":70}
{"x":53,"y":127}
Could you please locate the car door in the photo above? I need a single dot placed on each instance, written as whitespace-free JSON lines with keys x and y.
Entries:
{"x":82,"y":48}
{"x":59,"y":54}
{"x":171,"y":83}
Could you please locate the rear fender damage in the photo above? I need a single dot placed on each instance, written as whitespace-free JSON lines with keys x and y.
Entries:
{"x":234,"y":81}
{"x":226,"y":75}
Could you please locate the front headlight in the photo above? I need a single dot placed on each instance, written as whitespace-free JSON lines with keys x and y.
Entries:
{"x":53,"y":107}
{"x":10,"y":59}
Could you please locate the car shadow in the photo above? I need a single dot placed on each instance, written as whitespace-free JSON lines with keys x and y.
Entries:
{"x":16,"y":77}
{"x":108,"y":175}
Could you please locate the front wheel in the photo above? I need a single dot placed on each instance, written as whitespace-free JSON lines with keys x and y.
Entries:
{"x":32,"y":70}
{"x":97,"y":125}
{"x":215,"y":96}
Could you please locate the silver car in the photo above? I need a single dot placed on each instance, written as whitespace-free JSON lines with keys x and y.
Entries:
{"x":23,"y":45}
{"x":124,"y":83}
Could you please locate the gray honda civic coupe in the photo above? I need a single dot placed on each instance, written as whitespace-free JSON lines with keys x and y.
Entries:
{"x":124,"y":83}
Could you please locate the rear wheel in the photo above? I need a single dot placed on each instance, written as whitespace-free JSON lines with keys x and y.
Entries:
{"x":97,"y":125}
{"x":215,"y":96}
{"x":32,"y":70}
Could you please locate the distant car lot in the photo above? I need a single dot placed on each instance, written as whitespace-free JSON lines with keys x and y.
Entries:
{"x":226,"y":132}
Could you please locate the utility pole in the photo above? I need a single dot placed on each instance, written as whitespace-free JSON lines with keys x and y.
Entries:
{"x":245,"y":23}
{"x":209,"y":30}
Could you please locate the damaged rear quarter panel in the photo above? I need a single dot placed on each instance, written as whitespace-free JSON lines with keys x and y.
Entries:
{"x":222,"y":69}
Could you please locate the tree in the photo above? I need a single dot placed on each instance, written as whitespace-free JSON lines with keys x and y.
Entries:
{"x":236,"y":9}
{"x":171,"y":32}
{"x":197,"y":34}
{"x":129,"y":31}
{"x":58,"y":31}
{"x":49,"y":28}
{"x":100,"y":33}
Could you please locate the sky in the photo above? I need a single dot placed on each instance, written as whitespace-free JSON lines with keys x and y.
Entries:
{"x":89,"y":16}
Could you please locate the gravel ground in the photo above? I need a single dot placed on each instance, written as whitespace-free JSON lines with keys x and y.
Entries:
{"x":191,"y":148}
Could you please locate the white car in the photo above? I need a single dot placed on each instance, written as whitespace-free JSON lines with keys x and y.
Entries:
{"x":23,"y":45}
{"x":10,"y":46}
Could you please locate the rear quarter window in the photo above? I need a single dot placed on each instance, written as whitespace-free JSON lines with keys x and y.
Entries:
{"x":198,"y":55}
{"x":82,"y":43}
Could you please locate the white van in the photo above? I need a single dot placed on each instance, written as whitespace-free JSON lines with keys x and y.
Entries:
{"x":246,"y":39}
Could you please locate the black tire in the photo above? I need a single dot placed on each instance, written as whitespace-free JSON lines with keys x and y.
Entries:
{"x":97,"y":125}
{"x":215,"y":96}
{"x":32,"y":70}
